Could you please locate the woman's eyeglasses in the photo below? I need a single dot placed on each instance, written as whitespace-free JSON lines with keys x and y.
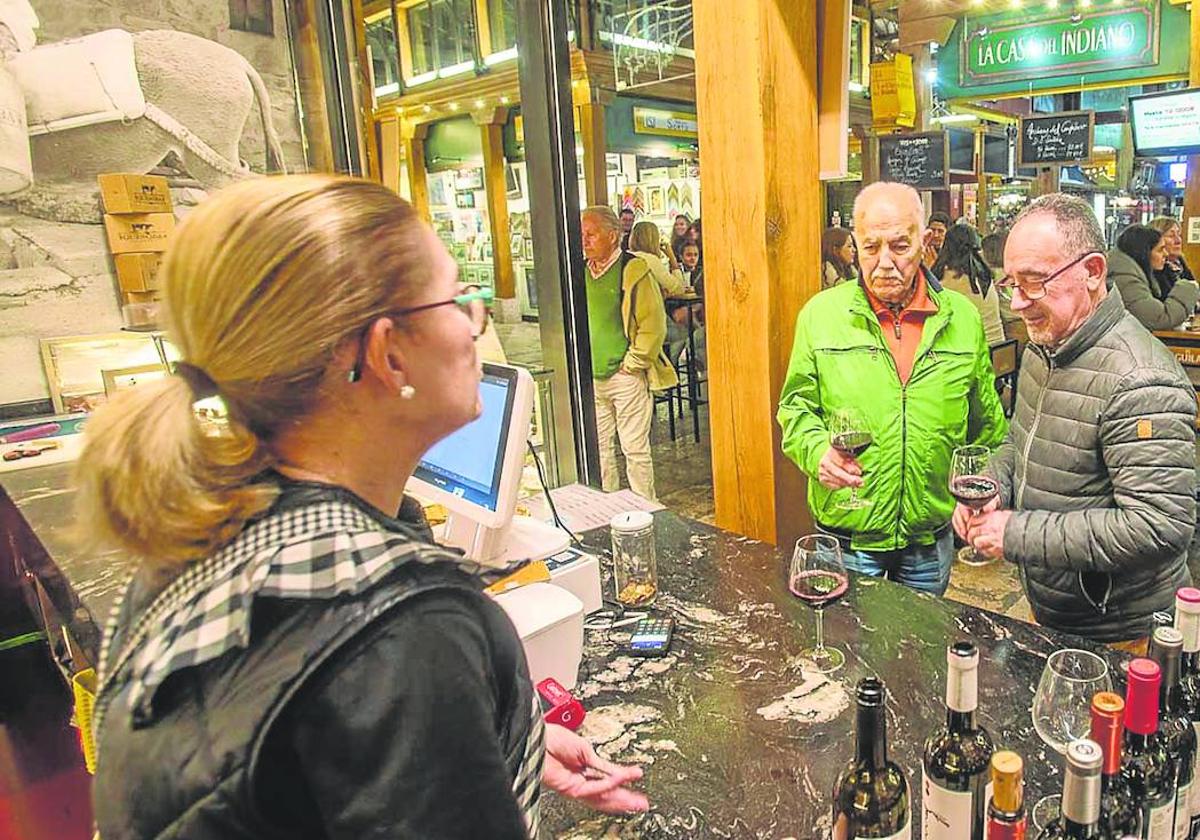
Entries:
{"x":474,"y":302}
{"x":1036,"y":289}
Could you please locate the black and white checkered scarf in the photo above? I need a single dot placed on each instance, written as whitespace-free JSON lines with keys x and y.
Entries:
{"x":318,"y":551}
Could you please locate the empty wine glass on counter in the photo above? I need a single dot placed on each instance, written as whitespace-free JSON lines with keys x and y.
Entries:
{"x":818,"y":578}
{"x":973,"y":488}
{"x":850,"y":435}
{"x":1062,"y":709}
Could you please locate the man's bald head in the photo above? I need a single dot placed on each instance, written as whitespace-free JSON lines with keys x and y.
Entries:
{"x":889,"y":229}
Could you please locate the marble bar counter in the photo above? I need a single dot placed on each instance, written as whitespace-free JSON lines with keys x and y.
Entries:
{"x":738,"y":736}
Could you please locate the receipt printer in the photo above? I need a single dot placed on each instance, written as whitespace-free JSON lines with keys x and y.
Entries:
{"x":579,"y":574}
{"x":549,"y":620}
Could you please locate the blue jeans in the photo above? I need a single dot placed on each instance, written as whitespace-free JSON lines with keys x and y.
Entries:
{"x":923,"y":567}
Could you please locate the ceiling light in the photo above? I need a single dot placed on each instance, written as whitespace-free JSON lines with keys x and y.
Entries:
{"x":479,"y":103}
{"x":453,"y":106}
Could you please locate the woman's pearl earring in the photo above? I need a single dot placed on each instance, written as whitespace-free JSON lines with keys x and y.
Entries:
{"x":407,"y":392}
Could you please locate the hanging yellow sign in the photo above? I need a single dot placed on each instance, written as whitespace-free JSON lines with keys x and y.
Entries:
{"x":665,"y":123}
{"x":893,"y":93}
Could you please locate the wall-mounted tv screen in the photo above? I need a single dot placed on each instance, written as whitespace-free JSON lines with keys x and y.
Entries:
{"x":1166,"y":123}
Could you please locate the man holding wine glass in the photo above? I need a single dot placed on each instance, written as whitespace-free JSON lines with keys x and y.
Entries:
{"x":1096,"y":499}
{"x":887,"y":377}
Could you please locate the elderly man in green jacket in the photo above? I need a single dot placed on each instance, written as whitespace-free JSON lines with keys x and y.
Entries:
{"x":911,"y":359}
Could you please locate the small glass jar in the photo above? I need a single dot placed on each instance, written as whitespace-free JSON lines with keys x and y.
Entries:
{"x":635,"y":558}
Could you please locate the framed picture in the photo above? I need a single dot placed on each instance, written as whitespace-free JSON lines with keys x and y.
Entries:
{"x":464,"y":200}
{"x":252,"y":16}
{"x":118,"y":379}
{"x":512,"y":182}
{"x":437,"y":190}
{"x":75,"y":365}
{"x":468,"y":179}
{"x":529,"y":248}
{"x":655,"y":201}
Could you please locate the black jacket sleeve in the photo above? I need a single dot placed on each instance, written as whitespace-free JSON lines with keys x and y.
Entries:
{"x":400,"y":738}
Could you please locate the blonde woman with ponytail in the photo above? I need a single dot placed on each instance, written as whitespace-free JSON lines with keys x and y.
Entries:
{"x":295,"y":657}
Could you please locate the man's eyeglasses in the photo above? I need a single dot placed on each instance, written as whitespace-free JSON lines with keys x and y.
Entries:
{"x":1036,"y":289}
{"x":474,"y":303}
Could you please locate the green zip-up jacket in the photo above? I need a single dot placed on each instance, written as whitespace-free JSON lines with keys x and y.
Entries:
{"x":840,"y":359}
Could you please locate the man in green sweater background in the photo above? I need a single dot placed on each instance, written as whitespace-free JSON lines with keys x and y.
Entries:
{"x":627,"y":323}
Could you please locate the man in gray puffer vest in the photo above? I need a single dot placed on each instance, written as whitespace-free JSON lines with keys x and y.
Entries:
{"x":1097,"y":497}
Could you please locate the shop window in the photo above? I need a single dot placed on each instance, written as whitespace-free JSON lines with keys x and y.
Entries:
{"x":441,"y":39}
{"x":385,"y":53}
{"x":649,"y":24}
{"x":502,"y":24}
{"x":252,"y":16}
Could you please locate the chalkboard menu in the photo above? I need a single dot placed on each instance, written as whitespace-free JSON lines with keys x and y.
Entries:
{"x":918,"y":160}
{"x":1056,"y":138}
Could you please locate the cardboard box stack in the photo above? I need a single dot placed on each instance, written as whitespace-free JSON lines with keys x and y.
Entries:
{"x":139,"y":223}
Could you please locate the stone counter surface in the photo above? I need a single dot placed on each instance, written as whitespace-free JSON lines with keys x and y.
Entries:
{"x":739,"y":737}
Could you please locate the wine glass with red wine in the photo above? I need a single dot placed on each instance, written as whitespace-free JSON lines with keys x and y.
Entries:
{"x":818,"y":578}
{"x":973,"y":488}
{"x":850,"y":435}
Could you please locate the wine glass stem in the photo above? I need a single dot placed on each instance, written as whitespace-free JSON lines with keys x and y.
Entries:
{"x":820,"y":630}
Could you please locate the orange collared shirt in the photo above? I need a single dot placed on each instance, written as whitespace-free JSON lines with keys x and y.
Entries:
{"x":903,"y":332}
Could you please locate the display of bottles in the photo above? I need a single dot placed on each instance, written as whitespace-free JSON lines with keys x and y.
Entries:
{"x":1174,"y":724}
{"x":1144,"y":761}
{"x":1119,"y":812}
{"x":1187,"y":621}
{"x":1080,"y":816}
{"x":870,"y":798}
{"x":1006,"y":812}
{"x":955,"y":767}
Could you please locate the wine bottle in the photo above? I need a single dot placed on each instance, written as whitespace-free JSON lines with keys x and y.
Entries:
{"x":1080,"y":813}
{"x":1006,"y":811}
{"x":1174,"y":725}
{"x":1144,"y":762}
{"x":955,"y":766}
{"x":1187,"y":621}
{"x":870,"y":798}
{"x":1119,"y":812}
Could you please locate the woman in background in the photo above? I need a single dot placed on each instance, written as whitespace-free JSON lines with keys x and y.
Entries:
{"x":992,"y":248}
{"x":294,"y":655}
{"x":1134,"y":267}
{"x":839,"y":258}
{"x":1176,"y":268}
{"x":679,"y":235}
{"x":960,"y":266}
{"x":646,"y":246}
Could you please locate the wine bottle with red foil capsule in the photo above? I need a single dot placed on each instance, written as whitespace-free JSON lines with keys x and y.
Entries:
{"x":870,"y":798}
{"x":1006,"y":812}
{"x":1187,"y":622}
{"x":1119,"y":813}
{"x":1174,"y":725}
{"x":957,"y":756}
{"x":1080,"y":813}
{"x":1144,"y":761}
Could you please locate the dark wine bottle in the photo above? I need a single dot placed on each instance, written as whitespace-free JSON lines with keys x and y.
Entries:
{"x":1174,"y":726}
{"x":1144,"y":762}
{"x":955,"y":767}
{"x":1006,"y":812}
{"x":1119,"y":813}
{"x":870,"y":798}
{"x":1187,"y":621}
{"x":1080,"y":813}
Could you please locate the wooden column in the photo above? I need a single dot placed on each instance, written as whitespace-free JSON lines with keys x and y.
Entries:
{"x":413,"y":139}
{"x":1046,"y":181}
{"x":389,"y":151}
{"x":981,"y":184}
{"x":491,"y":129}
{"x":310,"y":80}
{"x":922,"y":63}
{"x":365,"y":100}
{"x":595,"y":171}
{"x":756,"y":83}
{"x":1191,"y":190}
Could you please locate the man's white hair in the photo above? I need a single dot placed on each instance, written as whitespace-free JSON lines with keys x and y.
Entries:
{"x":892,"y":192}
{"x":605,"y":216}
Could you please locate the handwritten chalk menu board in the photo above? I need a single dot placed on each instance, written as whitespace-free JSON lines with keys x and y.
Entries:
{"x":1056,"y":138}
{"x":918,"y":160}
